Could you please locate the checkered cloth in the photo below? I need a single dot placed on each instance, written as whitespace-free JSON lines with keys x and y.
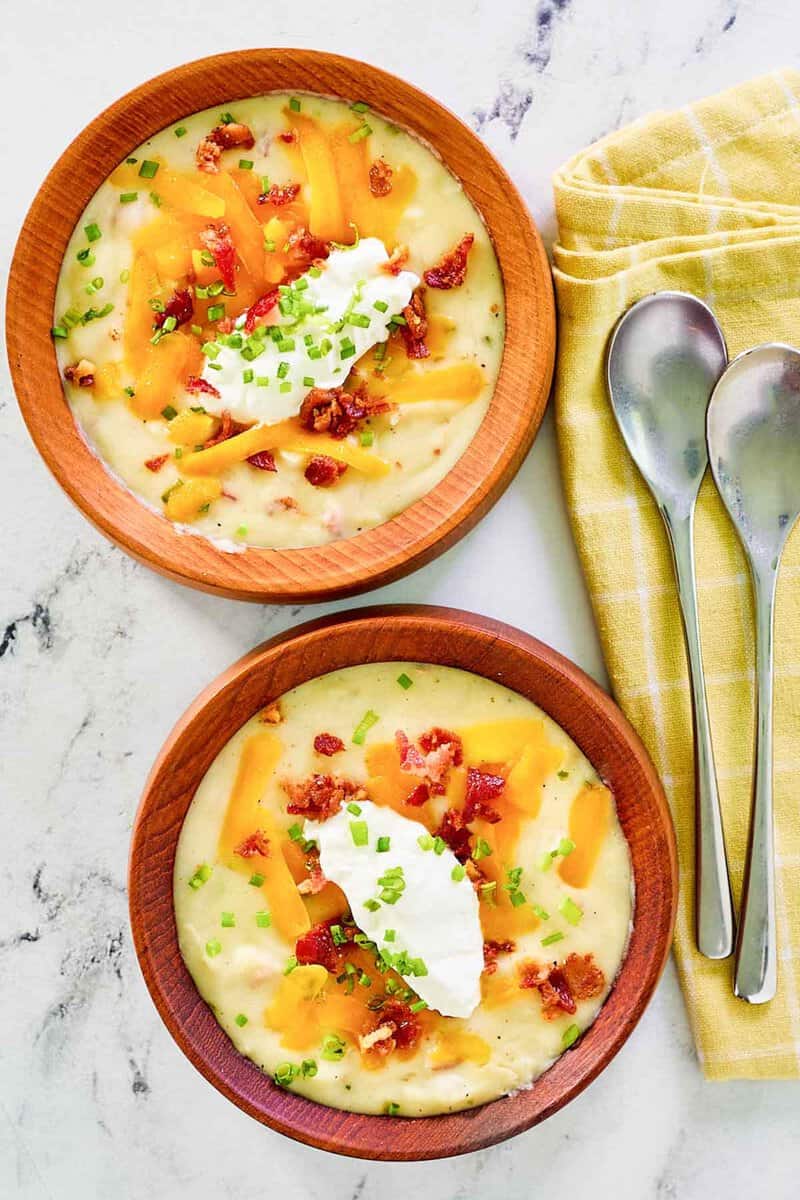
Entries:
{"x":705,"y":200}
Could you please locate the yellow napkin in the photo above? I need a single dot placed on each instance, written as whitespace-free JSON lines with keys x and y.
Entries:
{"x":706,"y":200}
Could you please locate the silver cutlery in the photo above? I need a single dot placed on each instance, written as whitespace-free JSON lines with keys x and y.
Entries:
{"x":754,"y":447}
{"x":665,"y":356}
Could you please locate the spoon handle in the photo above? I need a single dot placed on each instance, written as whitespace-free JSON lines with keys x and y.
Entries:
{"x":756,"y":970}
{"x":713,"y":903}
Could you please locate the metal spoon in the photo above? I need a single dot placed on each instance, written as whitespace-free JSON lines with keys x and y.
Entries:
{"x":754,"y":445}
{"x":664,"y":358}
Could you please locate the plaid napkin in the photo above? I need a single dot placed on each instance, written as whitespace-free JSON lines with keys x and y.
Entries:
{"x":705,"y":200}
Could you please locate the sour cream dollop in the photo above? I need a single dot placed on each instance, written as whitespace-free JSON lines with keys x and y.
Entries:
{"x":327,"y":319}
{"x":434,"y":920}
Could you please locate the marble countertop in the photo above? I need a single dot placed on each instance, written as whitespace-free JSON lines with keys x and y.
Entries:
{"x":98,"y":656}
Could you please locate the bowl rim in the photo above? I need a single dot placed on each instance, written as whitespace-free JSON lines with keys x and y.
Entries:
{"x":386,"y":633}
{"x":372,"y":558}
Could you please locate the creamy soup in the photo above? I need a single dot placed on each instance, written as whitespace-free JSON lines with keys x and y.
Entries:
{"x":281,"y":323}
{"x":402,"y":889}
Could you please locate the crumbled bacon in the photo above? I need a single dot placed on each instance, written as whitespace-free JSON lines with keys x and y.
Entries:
{"x":255,"y":843}
{"x":337,"y":412}
{"x":226,"y":325}
{"x":280,"y":194}
{"x":380,"y":178}
{"x":403,"y":1025}
{"x":328,"y":744}
{"x":416,"y":327}
{"x":420,"y":795}
{"x":180,"y":306}
{"x":218,"y":241}
{"x":317,"y":946}
{"x":396,"y":261}
{"x":578,"y":978}
{"x":306,"y":248}
{"x":454,"y":832}
{"x":263,"y":459}
{"x":271,"y":715}
{"x":81,"y":373}
{"x":436,"y":752}
{"x":155,"y":464}
{"x":451,"y":270}
{"x":482,"y":787}
{"x":324,"y":471}
{"x":320,"y":796}
{"x":198,"y":386}
{"x":491,"y":951}
{"x":317,"y":879}
{"x":261,"y":308}
{"x":222,"y":137}
{"x":228,"y":428}
{"x":288,"y":503}
{"x":288,"y":135}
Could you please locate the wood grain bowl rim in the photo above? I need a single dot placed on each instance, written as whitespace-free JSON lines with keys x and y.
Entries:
{"x":427,"y":527}
{"x":396,"y":633}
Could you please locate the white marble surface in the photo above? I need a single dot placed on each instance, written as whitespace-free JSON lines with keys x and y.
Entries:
{"x":98,"y":656}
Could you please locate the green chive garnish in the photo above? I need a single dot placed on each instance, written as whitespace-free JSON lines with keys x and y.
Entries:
{"x":263,"y":920}
{"x":552,"y":938}
{"x":360,"y":732}
{"x":383,"y":844}
{"x":425,"y":841}
{"x":359,"y":832}
{"x":92,"y":232}
{"x":245,"y":164}
{"x":241,"y":1020}
{"x":294,"y":104}
{"x":290,"y":964}
{"x":169,"y":413}
{"x":391,"y":1109}
{"x":256,"y":880}
{"x":148,"y":169}
{"x":213,"y":948}
{"x":201,"y":876}
{"x":570,"y":911}
{"x":227,"y":920}
{"x":180,"y":131}
{"x":458,"y":872}
{"x":360,"y":133}
{"x":570,"y":1036}
{"x":128,"y":197}
{"x":333,"y":1047}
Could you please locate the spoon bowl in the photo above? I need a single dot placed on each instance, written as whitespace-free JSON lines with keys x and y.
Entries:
{"x":754,"y":446}
{"x":665,"y":356}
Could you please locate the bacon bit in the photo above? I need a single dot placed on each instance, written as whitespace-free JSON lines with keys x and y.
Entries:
{"x":288,"y":135}
{"x":491,"y":950}
{"x":289,"y":503}
{"x":255,"y":843}
{"x":578,"y":978}
{"x":180,"y":306}
{"x":328,"y":744}
{"x":263,"y":459}
{"x":226,"y":325}
{"x":81,"y":373}
{"x":218,"y":241}
{"x":481,"y":788}
{"x":451,"y":270}
{"x":197,"y":386}
{"x":420,"y":795}
{"x":380,"y":178}
{"x":435,"y":753}
{"x":317,"y":946}
{"x":416,"y":327}
{"x":260,"y":309}
{"x":337,"y":412}
{"x":324,"y":471}
{"x":396,"y":261}
{"x":303,"y":245}
{"x":271,"y":715}
{"x":406,"y":1026}
{"x":280,"y":194}
{"x":317,"y":879}
{"x":320,"y":796}
{"x":228,"y":429}
{"x":155,"y":464}
{"x":222,"y":137}
{"x":454,"y":832}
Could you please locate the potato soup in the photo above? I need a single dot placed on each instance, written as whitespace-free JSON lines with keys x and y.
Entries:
{"x":402,"y":889}
{"x":281,"y":323}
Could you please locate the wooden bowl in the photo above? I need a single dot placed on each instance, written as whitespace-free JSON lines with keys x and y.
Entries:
{"x":418,"y":634}
{"x":379,"y":555}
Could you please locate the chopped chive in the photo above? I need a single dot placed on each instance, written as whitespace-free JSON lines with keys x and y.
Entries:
{"x":364,"y":980}
{"x":355,"y":809}
{"x":541,"y":913}
{"x":227,"y":920}
{"x":269,"y":245}
{"x":359,"y":833}
{"x":516,"y":898}
{"x":361,"y":320}
{"x":439,"y":846}
{"x":563,"y":774}
{"x":285,"y":386}
{"x":59,"y":331}
{"x":256,"y":880}
{"x":425,"y":841}
{"x":170,"y":324}
{"x":85,"y":257}
{"x":458,"y":872}
{"x":92,"y":231}
{"x":366,"y":437}
{"x":245,"y":164}
{"x":482,"y":850}
{"x":285,"y":1074}
{"x":294,"y":104}
{"x":383,"y":844}
{"x":418,"y":1006}
{"x":389,"y":935}
{"x":226,"y":118}
{"x":333,"y":1047}
{"x":371,"y":905}
{"x":391,"y":1109}
{"x":241,"y":1020}
{"x":215,"y":366}
{"x":291,"y":963}
{"x":487,"y":892}
{"x":360,"y":106}
{"x":296,"y":832}
{"x":262,"y":381}
{"x":381,"y":306}
{"x":128,"y":197}
{"x":241,"y":531}
{"x":570,"y":911}
{"x":124,"y":276}
{"x":360,"y":133}
{"x":552,"y":938}
{"x":308,"y":381}
{"x":98,"y":282}
{"x":346,"y":349}
{"x":369,"y":719}
{"x":216,"y":312}
{"x":565,"y":846}
{"x":570,"y":1036}
{"x":545,"y":862}
{"x":247,"y":376}
{"x":308,"y":1068}
{"x":201,"y":876}
{"x":148,"y":169}
{"x":263,"y":919}
{"x":131,"y":161}
{"x":181,"y":131}
{"x":283,"y":369}
{"x":213,"y":948}
{"x":265,"y":183}
{"x":169,"y":413}
{"x":156,"y":199}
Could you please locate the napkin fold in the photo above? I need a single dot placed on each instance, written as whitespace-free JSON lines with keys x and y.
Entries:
{"x":707,"y":200}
